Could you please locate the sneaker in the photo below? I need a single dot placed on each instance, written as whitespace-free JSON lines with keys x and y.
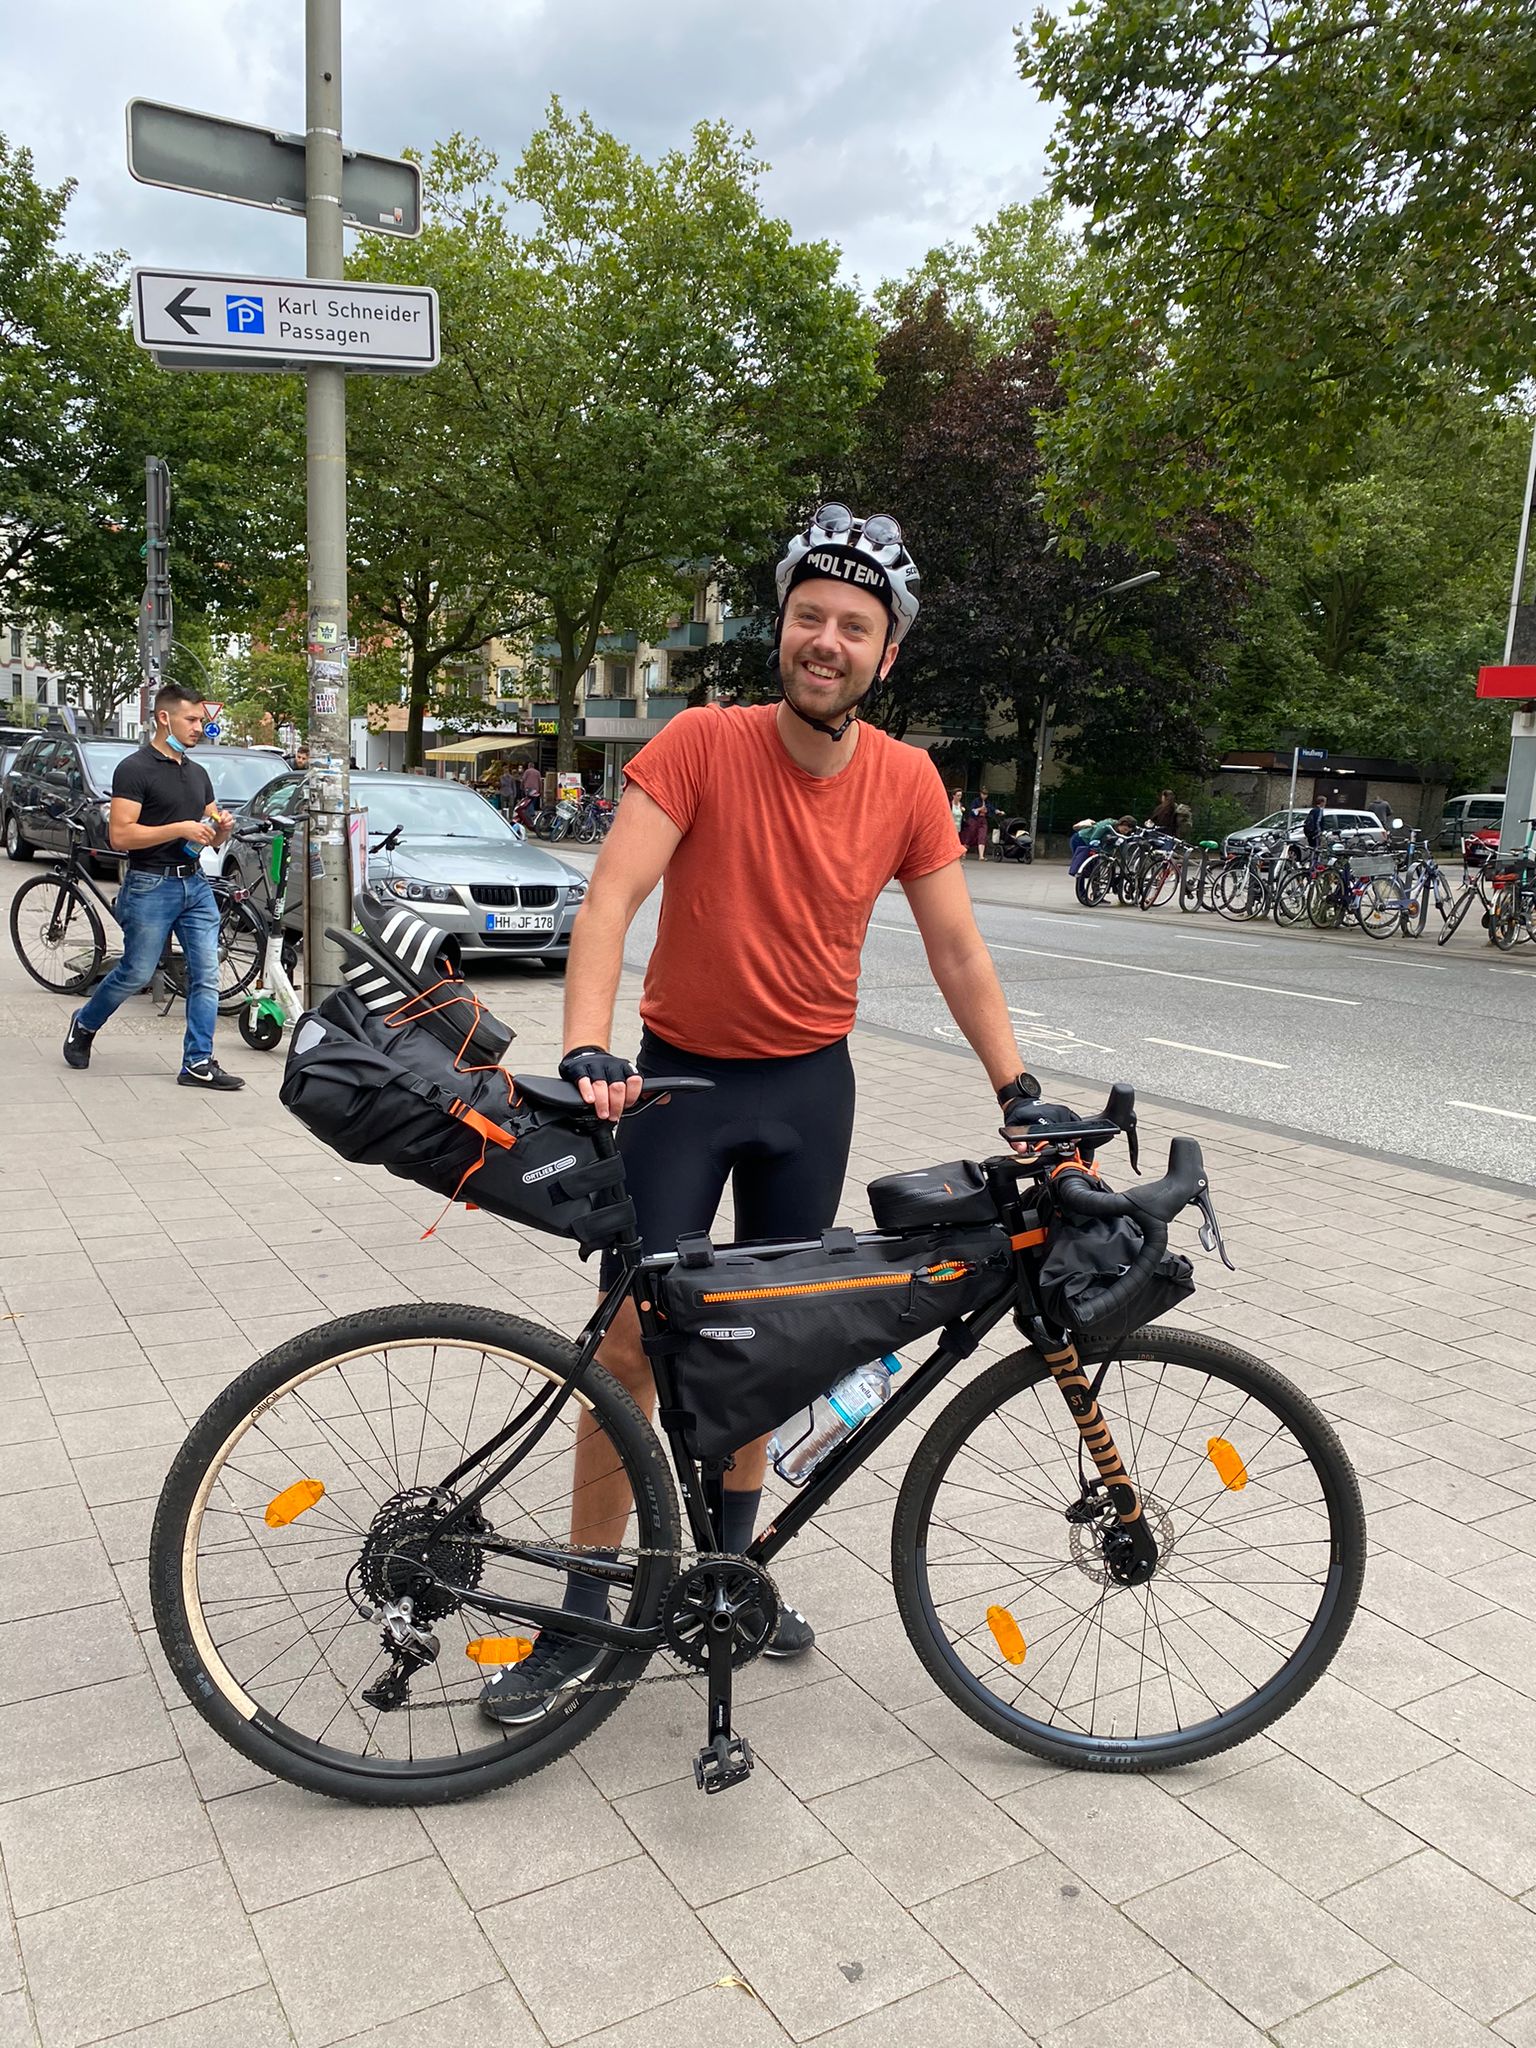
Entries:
{"x":522,"y":1692}
{"x":793,"y":1636}
{"x":77,"y":1043}
{"x":205,"y":1074}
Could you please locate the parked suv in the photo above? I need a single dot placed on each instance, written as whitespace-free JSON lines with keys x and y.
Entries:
{"x":1465,"y":816}
{"x":47,"y":777}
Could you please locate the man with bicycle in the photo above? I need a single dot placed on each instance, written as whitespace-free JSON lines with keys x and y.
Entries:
{"x":163,"y":815}
{"x":775,"y":826}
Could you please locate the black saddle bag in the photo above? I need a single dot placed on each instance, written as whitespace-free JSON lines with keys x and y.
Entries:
{"x":755,"y":1336}
{"x":400,"y":1069}
{"x":1082,"y":1260}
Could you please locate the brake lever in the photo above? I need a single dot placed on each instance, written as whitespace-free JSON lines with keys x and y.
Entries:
{"x":1211,"y":1239}
{"x":1133,"y":1147}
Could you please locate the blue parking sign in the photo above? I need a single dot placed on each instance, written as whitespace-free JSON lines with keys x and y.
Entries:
{"x":244,"y":313}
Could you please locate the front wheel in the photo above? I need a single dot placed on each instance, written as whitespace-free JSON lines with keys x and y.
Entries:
{"x":1002,"y":1530}
{"x":57,"y":935}
{"x":17,"y":845}
{"x":1504,"y":917}
{"x":1381,"y":909}
{"x":302,"y":1512}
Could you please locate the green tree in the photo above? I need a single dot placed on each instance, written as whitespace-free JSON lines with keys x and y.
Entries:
{"x":655,"y":368}
{"x":1380,"y":595}
{"x":1305,"y":213}
{"x":997,"y":282}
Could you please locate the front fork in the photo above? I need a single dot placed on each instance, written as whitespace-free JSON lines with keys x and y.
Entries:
{"x":1132,"y":1560}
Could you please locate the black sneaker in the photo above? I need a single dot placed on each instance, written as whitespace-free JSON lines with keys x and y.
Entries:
{"x":793,"y":1636}
{"x":77,"y":1043}
{"x":205,"y":1074}
{"x":522,"y":1692}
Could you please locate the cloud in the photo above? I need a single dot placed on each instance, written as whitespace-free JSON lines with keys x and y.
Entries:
{"x":887,"y":130}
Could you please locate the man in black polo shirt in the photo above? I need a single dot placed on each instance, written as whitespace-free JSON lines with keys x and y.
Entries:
{"x":163,"y":814}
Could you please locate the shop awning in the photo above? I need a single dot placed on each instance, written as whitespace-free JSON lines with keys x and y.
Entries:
{"x":471,"y":750}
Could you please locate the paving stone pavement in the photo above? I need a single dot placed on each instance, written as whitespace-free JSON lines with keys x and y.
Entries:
{"x":891,"y":1876}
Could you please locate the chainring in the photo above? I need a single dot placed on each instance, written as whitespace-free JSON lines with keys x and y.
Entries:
{"x":748,"y":1595}
{"x":402,"y":1557}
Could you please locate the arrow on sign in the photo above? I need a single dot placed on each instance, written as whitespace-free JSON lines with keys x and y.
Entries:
{"x":179,"y":309}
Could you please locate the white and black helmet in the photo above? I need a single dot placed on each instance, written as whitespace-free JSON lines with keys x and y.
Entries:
{"x":867,"y":553}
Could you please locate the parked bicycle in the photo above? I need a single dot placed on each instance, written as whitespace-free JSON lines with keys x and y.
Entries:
{"x":1121,"y":1547}
{"x":59,"y":930}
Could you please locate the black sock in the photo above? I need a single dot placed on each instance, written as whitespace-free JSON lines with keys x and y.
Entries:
{"x":587,"y":1595}
{"x":739,"y":1520}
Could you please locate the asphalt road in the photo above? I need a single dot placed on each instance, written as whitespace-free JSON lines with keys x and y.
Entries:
{"x":1399,"y":1047}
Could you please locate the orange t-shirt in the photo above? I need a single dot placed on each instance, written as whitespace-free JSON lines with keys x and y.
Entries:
{"x":768,"y":896}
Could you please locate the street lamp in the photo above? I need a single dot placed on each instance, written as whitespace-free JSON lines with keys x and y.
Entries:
{"x":1119,"y":589}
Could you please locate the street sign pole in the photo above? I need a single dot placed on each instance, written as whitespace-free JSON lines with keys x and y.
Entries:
{"x":328,"y":894}
{"x":155,"y":615}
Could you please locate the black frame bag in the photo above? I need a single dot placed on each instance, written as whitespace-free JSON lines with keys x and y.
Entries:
{"x":1083,"y":1258}
{"x":753,"y":1336}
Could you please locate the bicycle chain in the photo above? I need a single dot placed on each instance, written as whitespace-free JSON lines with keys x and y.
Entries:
{"x":617,"y":1552}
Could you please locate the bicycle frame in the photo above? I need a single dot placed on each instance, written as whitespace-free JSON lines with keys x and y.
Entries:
{"x":701,"y":1481}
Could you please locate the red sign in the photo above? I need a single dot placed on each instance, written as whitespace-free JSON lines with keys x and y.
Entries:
{"x":1506,"y":682}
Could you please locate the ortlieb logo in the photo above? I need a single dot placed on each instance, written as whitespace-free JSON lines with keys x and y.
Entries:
{"x":727,"y":1333}
{"x":546,"y":1172}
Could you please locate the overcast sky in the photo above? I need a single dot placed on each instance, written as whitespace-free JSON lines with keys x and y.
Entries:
{"x":889,"y":128}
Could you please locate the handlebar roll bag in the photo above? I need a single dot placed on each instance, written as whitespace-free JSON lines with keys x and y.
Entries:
{"x":756,"y":1335}
{"x":1086,"y":1256}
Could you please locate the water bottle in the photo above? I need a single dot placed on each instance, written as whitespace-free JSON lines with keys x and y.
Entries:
{"x":831,"y":1417}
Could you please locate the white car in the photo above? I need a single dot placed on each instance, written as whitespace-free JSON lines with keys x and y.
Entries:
{"x":1355,"y":828}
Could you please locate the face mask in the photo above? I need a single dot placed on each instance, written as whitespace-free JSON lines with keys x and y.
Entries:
{"x":173,"y":743}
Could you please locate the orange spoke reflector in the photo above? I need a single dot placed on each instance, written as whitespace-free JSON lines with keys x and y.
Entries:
{"x":293,"y":1501}
{"x":1230,"y":1469}
{"x":497,"y":1649}
{"x":1006,"y":1634}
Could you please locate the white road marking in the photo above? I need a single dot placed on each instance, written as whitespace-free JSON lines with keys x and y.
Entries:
{"x":1257,"y":988}
{"x":1250,"y":945}
{"x":1211,"y":1052}
{"x":1525,"y":973}
{"x":1487,"y":1109}
{"x":1013,"y":1012}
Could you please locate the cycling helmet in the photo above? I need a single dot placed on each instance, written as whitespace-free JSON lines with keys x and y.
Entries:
{"x":867,"y":553}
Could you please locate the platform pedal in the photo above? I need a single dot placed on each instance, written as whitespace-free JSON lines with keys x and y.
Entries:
{"x":726,"y":1761}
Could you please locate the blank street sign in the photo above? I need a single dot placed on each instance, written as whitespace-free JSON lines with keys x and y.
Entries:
{"x":254,"y":166}
{"x":205,"y":320}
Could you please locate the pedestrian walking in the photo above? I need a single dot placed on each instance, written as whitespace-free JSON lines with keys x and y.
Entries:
{"x":957,"y":809}
{"x":976,"y":827}
{"x":507,"y":789}
{"x":533,"y":782}
{"x":162,"y":816}
{"x":1165,"y":814}
{"x":1312,"y":824}
{"x":1383,"y":811}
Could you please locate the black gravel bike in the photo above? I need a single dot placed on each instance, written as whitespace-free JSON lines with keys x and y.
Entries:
{"x":1122,"y":1557}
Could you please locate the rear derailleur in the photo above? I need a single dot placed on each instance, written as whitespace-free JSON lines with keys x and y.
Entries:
{"x":410,"y":1649}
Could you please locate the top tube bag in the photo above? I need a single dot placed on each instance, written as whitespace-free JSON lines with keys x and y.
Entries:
{"x":754,"y":1335}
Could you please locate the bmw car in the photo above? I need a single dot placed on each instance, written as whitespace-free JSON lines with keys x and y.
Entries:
{"x":453,"y":858}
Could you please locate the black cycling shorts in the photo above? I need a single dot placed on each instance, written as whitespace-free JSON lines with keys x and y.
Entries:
{"x":778,"y":1130}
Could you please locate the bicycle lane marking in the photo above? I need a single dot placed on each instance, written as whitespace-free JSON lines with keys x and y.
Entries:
{"x":1127,"y":967}
{"x":1211,"y":1052}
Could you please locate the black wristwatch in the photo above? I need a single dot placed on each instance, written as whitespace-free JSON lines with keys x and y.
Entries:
{"x":1022,"y":1088}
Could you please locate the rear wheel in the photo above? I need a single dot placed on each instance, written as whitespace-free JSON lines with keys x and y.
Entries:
{"x":57,"y":935}
{"x":310,"y":1490}
{"x":1416,"y":909}
{"x":1001,"y":1533}
{"x":17,"y":845}
{"x":1504,"y":916}
{"x":1290,"y":904}
{"x":242,"y":950}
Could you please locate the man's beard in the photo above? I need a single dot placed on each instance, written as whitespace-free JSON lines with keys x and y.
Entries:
{"x":813,"y":700}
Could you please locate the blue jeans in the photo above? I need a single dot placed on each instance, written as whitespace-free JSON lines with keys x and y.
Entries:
{"x":149,"y":908}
